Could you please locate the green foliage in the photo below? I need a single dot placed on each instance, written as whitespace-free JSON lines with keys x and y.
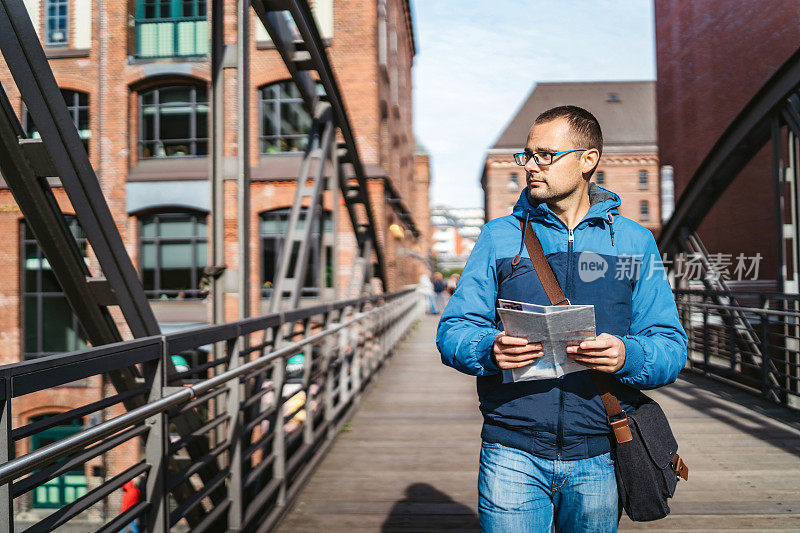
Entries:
{"x":446,"y":273}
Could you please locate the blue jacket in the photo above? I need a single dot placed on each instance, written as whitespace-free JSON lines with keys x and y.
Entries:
{"x":608,"y":261}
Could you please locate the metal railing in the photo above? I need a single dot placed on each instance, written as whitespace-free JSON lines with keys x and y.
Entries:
{"x":266,"y":424}
{"x":751,"y":339}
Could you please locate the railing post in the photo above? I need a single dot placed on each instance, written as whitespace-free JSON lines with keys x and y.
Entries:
{"x":235,"y":414}
{"x":156,"y":447}
{"x":6,"y":454}
{"x":332,"y":352}
{"x":346,"y":349}
{"x":734,"y":362}
{"x":308,"y":363}
{"x":278,"y":434}
{"x":706,"y":339}
{"x":357,"y":363}
{"x":764,"y":349}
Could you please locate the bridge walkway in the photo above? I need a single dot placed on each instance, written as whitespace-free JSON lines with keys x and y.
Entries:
{"x":407,"y":461}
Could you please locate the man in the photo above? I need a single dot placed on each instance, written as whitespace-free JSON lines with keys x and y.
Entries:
{"x":546,"y":458}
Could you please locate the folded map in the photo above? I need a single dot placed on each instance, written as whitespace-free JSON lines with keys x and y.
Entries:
{"x":555,"y":327}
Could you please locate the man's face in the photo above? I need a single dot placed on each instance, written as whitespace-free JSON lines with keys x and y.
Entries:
{"x":561,"y":178}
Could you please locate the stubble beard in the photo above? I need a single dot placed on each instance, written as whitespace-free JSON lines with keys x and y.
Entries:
{"x":542,"y":192}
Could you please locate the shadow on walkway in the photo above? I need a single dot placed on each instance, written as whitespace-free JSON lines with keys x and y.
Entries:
{"x":427,"y":509}
{"x":739,"y":409}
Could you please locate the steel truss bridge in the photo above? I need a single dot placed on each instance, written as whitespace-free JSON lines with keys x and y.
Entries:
{"x":749,"y":338}
{"x":216,"y":452}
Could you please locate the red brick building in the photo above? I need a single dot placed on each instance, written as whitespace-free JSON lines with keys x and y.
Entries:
{"x":628,"y":166}
{"x":135,"y":77}
{"x":710,"y":63}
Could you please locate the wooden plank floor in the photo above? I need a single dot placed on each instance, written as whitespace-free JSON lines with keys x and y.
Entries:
{"x":409,"y":459}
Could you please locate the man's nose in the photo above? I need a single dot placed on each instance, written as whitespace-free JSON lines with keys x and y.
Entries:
{"x":531,"y":166}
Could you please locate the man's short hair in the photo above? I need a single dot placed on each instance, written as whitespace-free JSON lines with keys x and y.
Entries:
{"x":585,"y":129}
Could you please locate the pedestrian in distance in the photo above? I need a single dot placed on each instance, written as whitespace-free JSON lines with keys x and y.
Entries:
{"x":439,"y":288}
{"x":426,"y":288}
{"x":547,"y":460}
{"x":130,"y":497}
{"x":452,"y":282}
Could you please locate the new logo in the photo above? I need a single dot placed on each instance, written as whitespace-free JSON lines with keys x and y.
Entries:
{"x":591,"y":266}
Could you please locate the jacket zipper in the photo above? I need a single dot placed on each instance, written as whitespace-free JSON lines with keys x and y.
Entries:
{"x":560,"y":441}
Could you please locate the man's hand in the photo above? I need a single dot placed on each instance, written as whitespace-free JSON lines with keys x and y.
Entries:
{"x":514,"y":352}
{"x":606,"y":353}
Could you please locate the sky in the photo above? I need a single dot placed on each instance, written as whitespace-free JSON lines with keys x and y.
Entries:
{"x":477,"y":61}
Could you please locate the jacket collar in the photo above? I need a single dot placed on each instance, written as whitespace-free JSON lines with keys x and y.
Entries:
{"x":602,"y":202}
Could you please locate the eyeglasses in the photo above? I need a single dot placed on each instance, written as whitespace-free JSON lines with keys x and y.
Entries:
{"x":542,"y":158}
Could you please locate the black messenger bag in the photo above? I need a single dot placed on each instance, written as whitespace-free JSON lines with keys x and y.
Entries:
{"x":647,"y":464}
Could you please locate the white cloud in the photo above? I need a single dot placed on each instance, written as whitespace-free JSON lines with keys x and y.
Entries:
{"x":478,"y":60}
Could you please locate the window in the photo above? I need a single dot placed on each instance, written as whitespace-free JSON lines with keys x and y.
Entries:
{"x":78,"y":107}
{"x":601,"y":177}
{"x":56,"y":22}
{"x":171,"y":28}
{"x":513,"y":182}
{"x":50,"y":326}
{"x":173,"y":122}
{"x":644,"y":210}
{"x":285,"y":123}
{"x":273,"y":228}
{"x":642,"y":179}
{"x":64,"y":489}
{"x":172,"y":254}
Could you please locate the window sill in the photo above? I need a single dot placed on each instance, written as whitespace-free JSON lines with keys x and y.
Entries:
{"x":133,"y":60}
{"x":61,"y":52}
{"x":169,"y":169}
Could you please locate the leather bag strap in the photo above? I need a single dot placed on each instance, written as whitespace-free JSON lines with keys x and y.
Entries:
{"x":601,"y":380}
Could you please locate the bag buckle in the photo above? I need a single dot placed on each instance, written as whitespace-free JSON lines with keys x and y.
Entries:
{"x":680,"y":468}
{"x":622,"y":431}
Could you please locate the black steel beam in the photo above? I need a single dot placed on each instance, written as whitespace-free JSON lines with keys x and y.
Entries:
{"x":43,"y":216}
{"x":28,"y":65}
{"x":740,"y":142}
{"x":313,"y":55}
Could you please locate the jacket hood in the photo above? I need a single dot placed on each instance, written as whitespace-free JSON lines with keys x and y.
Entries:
{"x":602,"y":202}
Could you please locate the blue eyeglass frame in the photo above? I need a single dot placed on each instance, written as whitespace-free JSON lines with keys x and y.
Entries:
{"x":521,"y":159}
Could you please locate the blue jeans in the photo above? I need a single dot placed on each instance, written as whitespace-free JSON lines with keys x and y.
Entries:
{"x":519,"y":492}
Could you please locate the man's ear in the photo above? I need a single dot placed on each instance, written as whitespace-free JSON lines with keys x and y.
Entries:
{"x":589,"y":160}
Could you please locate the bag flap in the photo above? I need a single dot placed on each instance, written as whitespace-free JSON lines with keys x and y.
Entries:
{"x":657,"y":437}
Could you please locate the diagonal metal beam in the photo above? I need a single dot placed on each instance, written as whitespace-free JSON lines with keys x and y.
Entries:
{"x":301,"y":57}
{"x":43,"y":215}
{"x":740,"y":142}
{"x":320,"y":144}
{"x":28,"y":65}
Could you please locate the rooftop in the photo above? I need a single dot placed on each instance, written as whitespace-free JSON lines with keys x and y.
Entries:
{"x":626,"y":111}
